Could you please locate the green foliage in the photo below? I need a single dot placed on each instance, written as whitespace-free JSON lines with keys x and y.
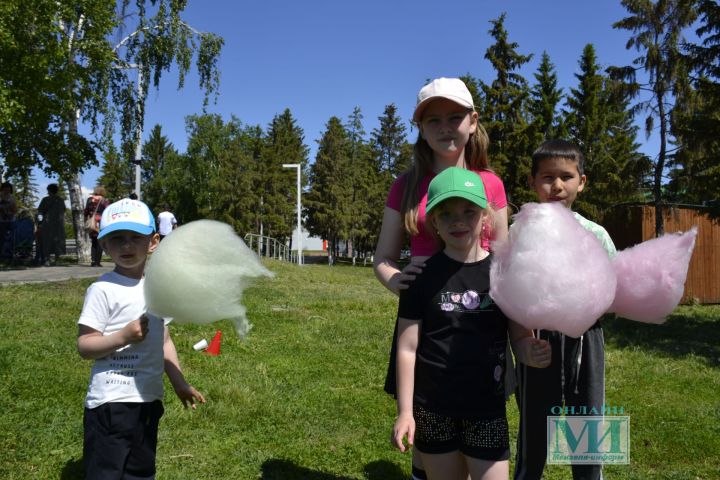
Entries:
{"x":40,"y":88}
{"x":277,"y":186}
{"x":598,"y":120}
{"x":218,"y":176}
{"x":390,"y":154}
{"x":87,"y":56}
{"x":235,"y":184}
{"x":387,"y":141}
{"x":25,"y":189}
{"x":361,"y":179}
{"x":696,"y":118}
{"x":117,"y":175}
{"x":696,"y":173}
{"x":504,"y":114}
{"x":657,"y":34}
{"x":209,"y":139}
{"x":544,"y":103}
{"x":329,"y":199}
{"x":155,"y":151}
{"x":59,"y":65}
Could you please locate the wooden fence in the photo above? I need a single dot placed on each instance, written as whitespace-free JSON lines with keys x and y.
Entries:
{"x":629,"y":225}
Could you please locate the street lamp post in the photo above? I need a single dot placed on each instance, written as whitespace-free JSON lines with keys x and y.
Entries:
{"x":299,"y":228}
{"x":137,"y":161}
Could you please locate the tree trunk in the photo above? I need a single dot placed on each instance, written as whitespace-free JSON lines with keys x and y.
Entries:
{"x":77,"y":206}
{"x":659,"y":167}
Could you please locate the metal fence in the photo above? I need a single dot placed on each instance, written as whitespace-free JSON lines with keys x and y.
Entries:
{"x":270,"y":247}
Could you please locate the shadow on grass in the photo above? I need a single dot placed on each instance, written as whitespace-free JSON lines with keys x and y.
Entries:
{"x":277,"y":469}
{"x":690,"y":331}
{"x":383,"y":470}
{"x":73,"y":470}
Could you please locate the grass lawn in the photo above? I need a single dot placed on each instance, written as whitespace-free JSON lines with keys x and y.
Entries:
{"x":302,"y":397}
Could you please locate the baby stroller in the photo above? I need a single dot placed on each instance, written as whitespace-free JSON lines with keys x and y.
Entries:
{"x":24,"y":237}
{"x":18,"y":242}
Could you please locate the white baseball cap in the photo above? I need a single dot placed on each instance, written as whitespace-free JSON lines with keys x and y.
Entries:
{"x":127,"y":214}
{"x":451,"y":88}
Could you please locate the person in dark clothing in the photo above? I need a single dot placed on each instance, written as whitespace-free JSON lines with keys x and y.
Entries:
{"x":95,"y":205}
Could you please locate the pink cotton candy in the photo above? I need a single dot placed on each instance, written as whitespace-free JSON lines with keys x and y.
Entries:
{"x":552,"y":273}
{"x":651,"y":277}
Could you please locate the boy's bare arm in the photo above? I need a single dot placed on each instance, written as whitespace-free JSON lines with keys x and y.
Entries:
{"x":185,"y":392}
{"x":533,"y":352}
{"x":92,"y":344}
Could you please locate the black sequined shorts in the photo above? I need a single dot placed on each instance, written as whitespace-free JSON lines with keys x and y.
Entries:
{"x":484,"y":439}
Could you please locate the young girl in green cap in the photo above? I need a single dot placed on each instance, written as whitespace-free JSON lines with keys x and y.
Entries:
{"x":452,"y":342}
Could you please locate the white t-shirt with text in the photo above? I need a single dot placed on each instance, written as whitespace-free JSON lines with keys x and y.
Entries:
{"x":134,"y":372}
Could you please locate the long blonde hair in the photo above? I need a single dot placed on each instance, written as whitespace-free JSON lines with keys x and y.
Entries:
{"x":476,"y":158}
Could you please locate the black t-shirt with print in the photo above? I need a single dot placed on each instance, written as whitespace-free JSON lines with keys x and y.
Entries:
{"x":460,"y":358}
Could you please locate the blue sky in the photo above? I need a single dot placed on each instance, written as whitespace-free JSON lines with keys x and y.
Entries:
{"x":323,"y":58}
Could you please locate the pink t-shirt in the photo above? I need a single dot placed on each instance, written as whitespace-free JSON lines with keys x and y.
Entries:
{"x":424,"y":244}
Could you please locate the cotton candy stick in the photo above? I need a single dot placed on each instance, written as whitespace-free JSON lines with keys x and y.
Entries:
{"x":198,"y":275}
{"x":651,"y":277}
{"x":552,"y":273}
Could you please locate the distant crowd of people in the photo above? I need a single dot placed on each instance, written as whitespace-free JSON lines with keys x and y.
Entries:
{"x":21,"y":229}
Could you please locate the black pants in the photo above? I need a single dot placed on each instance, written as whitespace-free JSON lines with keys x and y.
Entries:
{"x":96,"y":251}
{"x":6,"y":240}
{"x":567,"y":382}
{"x":121,"y":440}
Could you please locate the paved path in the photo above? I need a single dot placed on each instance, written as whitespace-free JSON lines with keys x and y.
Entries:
{"x":53,"y":273}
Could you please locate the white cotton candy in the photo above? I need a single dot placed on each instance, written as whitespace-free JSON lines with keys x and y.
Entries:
{"x":198,"y":274}
{"x":651,"y":277}
{"x":552,"y":273}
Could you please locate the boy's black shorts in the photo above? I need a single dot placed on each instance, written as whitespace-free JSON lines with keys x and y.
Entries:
{"x":484,"y":439}
{"x":121,"y":440}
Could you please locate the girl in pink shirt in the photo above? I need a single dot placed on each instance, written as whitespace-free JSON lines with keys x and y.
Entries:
{"x":450,"y":136}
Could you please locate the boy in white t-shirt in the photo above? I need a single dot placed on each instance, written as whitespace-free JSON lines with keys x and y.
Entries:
{"x":131,"y":349}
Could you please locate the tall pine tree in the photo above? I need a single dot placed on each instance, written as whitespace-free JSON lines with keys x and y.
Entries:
{"x":360,"y":177}
{"x":234,"y":196}
{"x":544,"y":103}
{"x":600,"y":123}
{"x":276,"y":187}
{"x":329,"y":200}
{"x":155,"y":152}
{"x":389,"y":155}
{"x":504,"y":114}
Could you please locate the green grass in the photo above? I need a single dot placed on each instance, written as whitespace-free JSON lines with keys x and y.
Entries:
{"x":302,"y":397}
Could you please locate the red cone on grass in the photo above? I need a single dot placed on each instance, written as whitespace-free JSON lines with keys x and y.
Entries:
{"x":214,"y":348}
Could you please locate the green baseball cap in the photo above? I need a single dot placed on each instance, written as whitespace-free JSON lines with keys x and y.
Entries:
{"x":456,"y":182}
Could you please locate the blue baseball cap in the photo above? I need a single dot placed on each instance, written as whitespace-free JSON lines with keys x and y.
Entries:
{"x":127,"y":214}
